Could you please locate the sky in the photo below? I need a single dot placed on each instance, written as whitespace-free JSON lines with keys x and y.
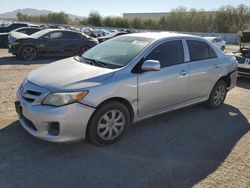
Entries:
{"x":114,"y":7}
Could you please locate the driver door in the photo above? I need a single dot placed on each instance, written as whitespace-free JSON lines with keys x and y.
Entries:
{"x":51,"y":44}
{"x":160,"y":90}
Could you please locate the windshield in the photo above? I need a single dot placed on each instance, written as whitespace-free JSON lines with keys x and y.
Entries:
{"x":118,"y":51}
{"x":39,"y":34}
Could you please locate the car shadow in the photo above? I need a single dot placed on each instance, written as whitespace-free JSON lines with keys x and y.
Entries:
{"x":243,"y":82}
{"x":177,"y":149}
{"x":12,"y":60}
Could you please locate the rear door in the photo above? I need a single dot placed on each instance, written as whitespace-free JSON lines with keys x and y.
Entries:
{"x":73,"y":42}
{"x":159,"y":90}
{"x":204,"y":69}
{"x":51,"y":44}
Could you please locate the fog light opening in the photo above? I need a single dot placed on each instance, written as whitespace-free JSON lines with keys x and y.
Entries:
{"x":54,"y":129}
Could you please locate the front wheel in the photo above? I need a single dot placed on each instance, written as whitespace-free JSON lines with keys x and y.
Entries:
{"x":28,"y":53}
{"x":217,"y":95}
{"x":108,"y":123}
{"x":223,"y":48}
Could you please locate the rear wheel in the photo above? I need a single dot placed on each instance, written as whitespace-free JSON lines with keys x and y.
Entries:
{"x":223,"y":48}
{"x":28,"y":53}
{"x":217,"y":95}
{"x":108,"y":123}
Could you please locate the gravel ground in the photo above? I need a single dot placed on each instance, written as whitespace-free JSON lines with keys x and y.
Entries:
{"x":190,"y":147}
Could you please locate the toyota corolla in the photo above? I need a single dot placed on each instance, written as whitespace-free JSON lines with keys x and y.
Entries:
{"x":121,"y":81}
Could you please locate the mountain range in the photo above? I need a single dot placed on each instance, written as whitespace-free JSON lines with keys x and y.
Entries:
{"x":32,"y":12}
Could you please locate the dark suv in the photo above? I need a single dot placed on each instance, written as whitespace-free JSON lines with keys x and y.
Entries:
{"x":12,"y":27}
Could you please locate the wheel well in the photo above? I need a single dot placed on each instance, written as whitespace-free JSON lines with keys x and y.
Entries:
{"x":114,"y":99}
{"x":227,"y":79}
{"x":20,"y":50}
{"x":121,"y":100}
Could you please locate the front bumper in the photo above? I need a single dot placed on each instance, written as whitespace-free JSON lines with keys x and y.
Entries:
{"x":69,"y":122}
{"x":244,"y":70}
{"x":233,"y":78}
{"x":14,"y":49}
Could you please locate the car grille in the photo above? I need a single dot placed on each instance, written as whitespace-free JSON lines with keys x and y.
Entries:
{"x":243,"y":70}
{"x":32,"y":93}
{"x":30,"y":96}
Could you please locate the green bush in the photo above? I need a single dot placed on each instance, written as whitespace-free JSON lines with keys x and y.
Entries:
{"x":227,"y":19}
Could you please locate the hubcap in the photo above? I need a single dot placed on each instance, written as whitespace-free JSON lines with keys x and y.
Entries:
{"x":29,"y":53}
{"x":111,"y":125}
{"x":219,"y":95}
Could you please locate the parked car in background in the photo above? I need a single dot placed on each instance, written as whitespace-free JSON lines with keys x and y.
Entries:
{"x":14,"y":26}
{"x":121,"y":81}
{"x":111,"y":35}
{"x":51,"y":43}
{"x":5,"y":38}
{"x":100,"y":32}
{"x":243,"y":66}
{"x":218,"y":42}
{"x":243,"y":55}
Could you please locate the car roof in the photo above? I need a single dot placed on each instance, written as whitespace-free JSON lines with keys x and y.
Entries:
{"x":163,"y":35}
{"x":68,"y":30}
{"x":212,"y":38}
{"x":26,"y":28}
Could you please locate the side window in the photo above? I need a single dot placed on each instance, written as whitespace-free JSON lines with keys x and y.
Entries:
{"x":15,"y":26}
{"x":72,"y":35}
{"x":168,"y":53}
{"x":198,"y":50}
{"x":22,"y":31}
{"x":217,"y":40}
{"x":56,"y":35}
{"x":31,"y":31}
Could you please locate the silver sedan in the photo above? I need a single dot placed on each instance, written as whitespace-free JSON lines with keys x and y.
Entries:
{"x":121,"y":81}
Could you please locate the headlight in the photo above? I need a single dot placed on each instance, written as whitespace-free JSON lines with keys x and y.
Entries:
{"x":60,"y":99}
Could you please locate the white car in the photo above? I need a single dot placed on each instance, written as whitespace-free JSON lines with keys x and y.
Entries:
{"x":120,"y":81}
{"x":217,"y":42}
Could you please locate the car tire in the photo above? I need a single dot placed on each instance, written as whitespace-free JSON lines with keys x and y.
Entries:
{"x":28,"y":53}
{"x":223,"y":48}
{"x":108,"y":123}
{"x":218,"y":95}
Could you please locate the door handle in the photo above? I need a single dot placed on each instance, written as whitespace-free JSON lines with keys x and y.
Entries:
{"x":183,"y":73}
{"x":216,"y":65}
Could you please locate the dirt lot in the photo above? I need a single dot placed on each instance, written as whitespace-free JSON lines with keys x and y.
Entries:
{"x":189,"y":147}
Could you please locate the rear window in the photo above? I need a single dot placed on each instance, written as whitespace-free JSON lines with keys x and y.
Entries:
{"x":199,"y":50}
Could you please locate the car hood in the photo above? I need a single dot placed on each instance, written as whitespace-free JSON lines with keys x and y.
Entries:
{"x":3,"y":34}
{"x":69,"y":75}
{"x":18,"y":35}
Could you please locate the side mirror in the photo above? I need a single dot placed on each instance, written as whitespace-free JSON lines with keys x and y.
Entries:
{"x":151,"y":65}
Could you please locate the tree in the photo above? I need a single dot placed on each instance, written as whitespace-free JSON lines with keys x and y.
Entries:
{"x":94,"y":19}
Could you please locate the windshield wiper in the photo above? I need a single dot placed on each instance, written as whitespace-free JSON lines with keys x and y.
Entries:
{"x":97,"y":63}
{"x":94,"y":62}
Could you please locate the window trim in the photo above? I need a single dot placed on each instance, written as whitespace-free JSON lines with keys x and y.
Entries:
{"x":165,"y":41}
{"x":66,"y":32}
{"x":52,"y":33}
{"x":208,"y":47}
